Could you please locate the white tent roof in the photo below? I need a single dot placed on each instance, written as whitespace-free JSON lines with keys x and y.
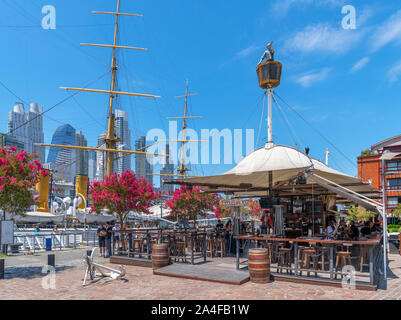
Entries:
{"x":283,"y":162}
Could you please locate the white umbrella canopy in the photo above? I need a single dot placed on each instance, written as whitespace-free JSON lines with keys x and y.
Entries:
{"x":283,"y":163}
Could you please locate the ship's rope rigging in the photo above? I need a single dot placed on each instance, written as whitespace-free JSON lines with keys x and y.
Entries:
{"x":58,"y":103}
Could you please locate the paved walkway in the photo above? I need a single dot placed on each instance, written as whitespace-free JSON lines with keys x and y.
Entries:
{"x":140,"y":283}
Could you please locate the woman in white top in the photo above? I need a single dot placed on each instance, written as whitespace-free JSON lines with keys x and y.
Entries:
{"x":331,"y":230}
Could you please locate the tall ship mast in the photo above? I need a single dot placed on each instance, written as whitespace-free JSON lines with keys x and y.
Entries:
{"x":111,"y":138}
{"x":181,"y":169}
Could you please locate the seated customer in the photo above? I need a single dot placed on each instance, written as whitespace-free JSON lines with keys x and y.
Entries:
{"x":353,"y":232}
{"x":365,"y":231}
{"x":331,"y":230}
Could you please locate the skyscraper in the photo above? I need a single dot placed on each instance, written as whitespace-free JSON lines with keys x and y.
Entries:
{"x":62,"y":157}
{"x":92,"y":166}
{"x":143,"y":164}
{"x":168,"y":168}
{"x":31,"y":132}
{"x":101,"y":157}
{"x":81,"y":163}
{"x":123,"y":133}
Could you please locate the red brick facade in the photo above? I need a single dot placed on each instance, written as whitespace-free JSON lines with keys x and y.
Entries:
{"x":370,"y":168}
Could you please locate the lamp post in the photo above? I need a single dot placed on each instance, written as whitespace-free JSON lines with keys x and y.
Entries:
{"x":384,"y":219}
{"x":387,"y":155}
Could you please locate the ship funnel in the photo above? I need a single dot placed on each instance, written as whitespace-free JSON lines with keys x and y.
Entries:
{"x":43,"y":187}
{"x":81,"y":186}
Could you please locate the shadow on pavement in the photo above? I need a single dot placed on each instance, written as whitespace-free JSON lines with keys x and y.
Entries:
{"x":29,"y":272}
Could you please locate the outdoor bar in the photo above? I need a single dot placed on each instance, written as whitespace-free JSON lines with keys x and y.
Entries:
{"x":301,"y":195}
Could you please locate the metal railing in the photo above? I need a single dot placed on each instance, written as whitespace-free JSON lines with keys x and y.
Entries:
{"x":31,"y":241}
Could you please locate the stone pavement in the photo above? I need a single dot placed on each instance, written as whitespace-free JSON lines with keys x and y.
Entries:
{"x":140,"y":283}
{"x":28,"y":266}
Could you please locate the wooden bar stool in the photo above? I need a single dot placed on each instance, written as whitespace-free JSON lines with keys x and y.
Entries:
{"x":210,"y":247}
{"x":300,"y":254}
{"x":323,"y":253}
{"x":284,"y":259}
{"x":310,"y":261}
{"x":341,"y":260}
{"x":364,"y":257}
{"x":220,"y":247}
{"x":180,"y":251}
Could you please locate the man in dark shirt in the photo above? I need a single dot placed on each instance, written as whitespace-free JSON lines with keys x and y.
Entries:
{"x":354,"y":232}
{"x":219,"y":228}
{"x":109,"y":230}
{"x":365,"y":231}
{"x":101,"y":233}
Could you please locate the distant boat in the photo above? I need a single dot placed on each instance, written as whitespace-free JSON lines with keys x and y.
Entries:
{"x":85,"y":217}
{"x":36,"y":217}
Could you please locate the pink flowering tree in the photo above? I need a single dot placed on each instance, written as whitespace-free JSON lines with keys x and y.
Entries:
{"x":221,"y":210}
{"x":122,"y":194}
{"x":253,"y":208}
{"x":19,"y":173}
{"x":189,"y":203}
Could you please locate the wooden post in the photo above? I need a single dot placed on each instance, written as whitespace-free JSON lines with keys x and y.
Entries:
{"x":148,"y":249}
{"x":371,"y":262}
{"x":331,"y":262}
{"x":1,"y":268}
{"x":192,"y":249}
{"x":129,"y":244}
{"x":237,"y":253}
{"x":204,"y":246}
{"x":296,"y":258}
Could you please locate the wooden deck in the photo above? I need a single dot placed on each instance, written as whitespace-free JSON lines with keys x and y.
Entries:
{"x":138,"y":262}
{"x":204,"y":273}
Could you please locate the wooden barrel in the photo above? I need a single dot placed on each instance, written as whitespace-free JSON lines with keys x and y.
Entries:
{"x":259,"y":265}
{"x":160,"y":256}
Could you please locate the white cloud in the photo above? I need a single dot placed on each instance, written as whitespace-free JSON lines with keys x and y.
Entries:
{"x":247,"y":51}
{"x":395,"y":72}
{"x":389,"y":31}
{"x":360,"y":64}
{"x":307,"y":79}
{"x":324,"y":38}
{"x":281,"y":7}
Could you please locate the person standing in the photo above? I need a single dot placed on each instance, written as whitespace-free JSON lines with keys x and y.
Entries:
{"x":101,"y":233}
{"x":228,"y":234}
{"x":116,"y":236}
{"x":266,"y":222}
{"x":109,"y":233}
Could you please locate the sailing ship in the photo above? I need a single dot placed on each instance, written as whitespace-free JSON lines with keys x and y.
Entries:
{"x":79,"y":208}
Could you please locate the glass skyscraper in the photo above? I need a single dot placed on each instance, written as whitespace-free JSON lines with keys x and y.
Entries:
{"x":143,"y":164}
{"x":64,"y":159}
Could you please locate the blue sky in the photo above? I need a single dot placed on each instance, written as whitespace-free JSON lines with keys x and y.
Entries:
{"x":346,"y":83}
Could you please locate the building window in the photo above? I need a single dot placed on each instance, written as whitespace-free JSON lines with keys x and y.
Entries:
{"x":392,"y":202}
{"x":393,"y":166}
{"x":393,"y":184}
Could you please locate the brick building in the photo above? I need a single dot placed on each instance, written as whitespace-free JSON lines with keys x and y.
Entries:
{"x":370,"y":168}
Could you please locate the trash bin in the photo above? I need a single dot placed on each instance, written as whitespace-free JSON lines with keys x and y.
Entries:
{"x":48,"y":244}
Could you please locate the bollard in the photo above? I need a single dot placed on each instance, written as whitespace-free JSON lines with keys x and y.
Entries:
{"x":51,"y":260}
{"x":1,"y":268}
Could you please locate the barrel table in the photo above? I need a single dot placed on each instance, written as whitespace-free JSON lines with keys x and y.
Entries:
{"x":160,"y":256}
{"x":259,"y":265}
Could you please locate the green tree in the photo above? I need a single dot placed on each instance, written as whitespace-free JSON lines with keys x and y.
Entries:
{"x":359,"y":213}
